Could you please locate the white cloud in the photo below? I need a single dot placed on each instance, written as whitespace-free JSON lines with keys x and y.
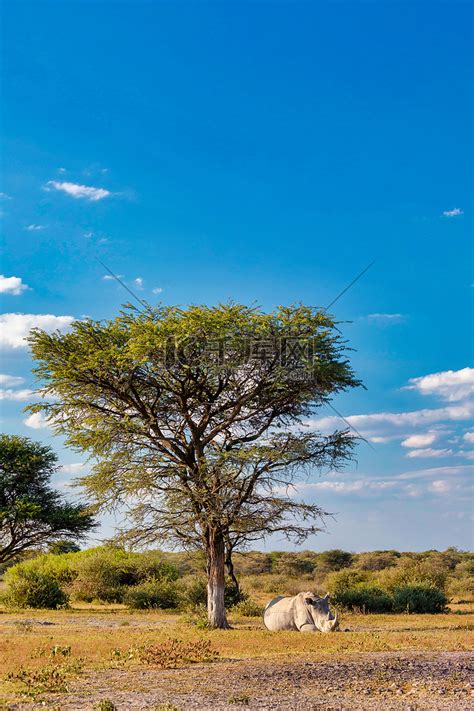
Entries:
{"x":10,"y":381}
{"x":157,"y":290}
{"x":9,"y":394}
{"x":109,"y":277}
{"x":455,"y":212}
{"x":75,"y":468}
{"x":451,"y":471}
{"x":385,"y":319}
{"x":345,"y":487}
{"x":37,"y":421}
{"x":419,"y":440}
{"x":12,"y":285}
{"x":469,"y":437}
{"x":61,"y":170}
{"x":428,"y":452}
{"x":4,"y":196}
{"x":15,"y":327}
{"x":440,"y":486}
{"x":450,"y":385}
{"x":35,"y":228}
{"x":138,"y":282}
{"x":85,"y":192}
{"x":371,"y":425}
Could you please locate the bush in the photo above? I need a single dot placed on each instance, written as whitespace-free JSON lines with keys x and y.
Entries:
{"x":343,"y":580}
{"x":152,"y":594}
{"x":29,"y":588}
{"x":100,"y":576}
{"x":412,"y":571}
{"x":376,"y":560}
{"x":248,"y":608}
{"x":335,"y":559}
{"x":419,"y":599}
{"x":363,"y":598}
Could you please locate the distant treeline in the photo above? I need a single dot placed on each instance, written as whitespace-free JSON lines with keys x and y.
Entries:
{"x":376,"y":581}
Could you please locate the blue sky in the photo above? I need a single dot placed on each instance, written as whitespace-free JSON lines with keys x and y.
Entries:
{"x":267,"y":153}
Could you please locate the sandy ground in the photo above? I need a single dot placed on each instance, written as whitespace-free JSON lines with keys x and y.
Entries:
{"x":398,"y":681}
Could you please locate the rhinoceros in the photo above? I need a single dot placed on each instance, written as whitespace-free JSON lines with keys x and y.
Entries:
{"x":305,"y":612}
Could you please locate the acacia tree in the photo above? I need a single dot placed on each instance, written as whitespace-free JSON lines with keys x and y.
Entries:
{"x":32,"y":514}
{"x":194,"y":417}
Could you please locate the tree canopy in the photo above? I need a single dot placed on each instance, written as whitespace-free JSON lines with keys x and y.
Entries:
{"x":32,"y":514}
{"x":195,"y":418}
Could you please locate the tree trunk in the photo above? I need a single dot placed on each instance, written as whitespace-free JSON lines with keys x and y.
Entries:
{"x":230,"y":570}
{"x":216,"y":580}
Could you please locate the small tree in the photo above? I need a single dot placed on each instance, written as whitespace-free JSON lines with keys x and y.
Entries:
{"x":32,"y":515}
{"x":194,"y":416}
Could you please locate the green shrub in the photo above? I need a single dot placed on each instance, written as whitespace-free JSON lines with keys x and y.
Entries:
{"x":163,"y":594}
{"x":412,"y":571}
{"x":29,"y":588}
{"x":363,"y":598}
{"x":419,"y":599}
{"x":376,"y":560}
{"x":248,"y":608}
{"x":335,"y":559}
{"x":343,"y":580}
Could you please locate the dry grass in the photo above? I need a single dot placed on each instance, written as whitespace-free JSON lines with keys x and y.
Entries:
{"x":99,"y":636}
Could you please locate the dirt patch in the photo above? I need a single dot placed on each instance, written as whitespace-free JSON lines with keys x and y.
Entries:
{"x":388,"y":681}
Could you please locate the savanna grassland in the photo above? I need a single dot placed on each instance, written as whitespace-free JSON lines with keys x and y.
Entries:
{"x":107,"y":655}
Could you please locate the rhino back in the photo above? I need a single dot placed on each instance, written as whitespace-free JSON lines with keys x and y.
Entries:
{"x":279,"y":614}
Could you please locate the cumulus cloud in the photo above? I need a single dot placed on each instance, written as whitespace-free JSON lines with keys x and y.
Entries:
{"x":450,"y":385}
{"x":440,"y":486}
{"x":455,"y":212}
{"x":14,"y":327}
{"x":428,"y":452}
{"x":469,"y":437}
{"x":420,"y":440}
{"x":9,"y":394}
{"x":10,"y":381}
{"x":35,"y":228}
{"x":37,"y":421}
{"x":138,"y":283}
{"x":12,"y":285}
{"x":157,"y":290}
{"x":75,"y":468}
{"x":84,"y":192}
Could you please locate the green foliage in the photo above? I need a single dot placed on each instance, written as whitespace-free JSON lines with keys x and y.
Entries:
{"x":414,"y":571}
{"x":105,"y":705}
{"x":363,"y":598}
{"x":62,"y":547}
{"x":419,"y":599}
{"x":153,"y":594}
{"x":376,"y":560}
{"x":29,"y":588}
{"x":31,"y":513}
{"x":335,"y":559}
{"x":196,"y":442}
{"x":343,"y":580}
{"x":248,"y":608}
{"x":294,"y":564}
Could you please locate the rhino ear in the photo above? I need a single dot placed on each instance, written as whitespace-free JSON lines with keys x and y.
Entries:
{"x":326,"y":597}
